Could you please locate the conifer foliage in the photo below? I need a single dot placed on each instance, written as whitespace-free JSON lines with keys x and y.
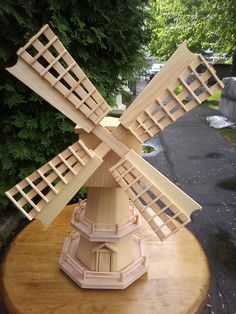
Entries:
{"x":104,"y":37}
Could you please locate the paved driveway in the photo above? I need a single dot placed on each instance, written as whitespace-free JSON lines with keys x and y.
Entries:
{"x":200,"y":162}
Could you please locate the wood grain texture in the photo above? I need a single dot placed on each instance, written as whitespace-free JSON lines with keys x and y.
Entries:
{"x":184,"y":82}
{"x":177,"y":280}
{"x":29,"y":77}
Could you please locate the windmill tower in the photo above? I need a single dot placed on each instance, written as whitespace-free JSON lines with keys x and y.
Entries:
{"x":104,"y":251}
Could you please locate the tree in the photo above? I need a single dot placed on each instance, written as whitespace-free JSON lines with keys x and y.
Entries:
{"x":204,"y":24}
{"x":104,"y":37}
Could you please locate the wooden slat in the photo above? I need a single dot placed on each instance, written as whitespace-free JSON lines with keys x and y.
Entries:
{"x":177,"y":99}
{"x":53,"y":63}
{"x":67,"y":164}
{"x":137,"y":187}
{"x":212,"y":70}
{"x":27,"y":198}
{"x":64,"y":73}
{"x":141,"y":180}
{"x":47,"y":182}
{"x":41,"y":52}
{"x":57,"y":172}
{"x":61,"y":168}
{"x":76,"y":156}
{"x":37,"y":191}
{"x":84,"y":91}
{"x":51,"y":210}
{"x":18,"y":206}
{"x":68,"y":78}
{"x":28,"y":76}
{"x":76,"y":84}
{"x":190,"y":90}
{"x":29,"y":43}
{"x":176,"y":71}
{"x":200,"y":80}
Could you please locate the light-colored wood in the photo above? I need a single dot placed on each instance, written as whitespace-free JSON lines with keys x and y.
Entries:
{"x":49,"y":75}
{"x":158,"y":105}
{"x":31,"y":283}
{"x":102,"y":176}
{"x":29,"y":77}
{"x":107,"y":205}
{"x":154,"y":195}
{"x":107,"y":223}
{"x":65,"y":173}
{"x":122,"y":254}
{"x":119,"y":275}
{"x":86,"y":222}
{"x":162,"y":106}
{"x":111,"y":141}
{"x":91,"y":256}
{"x":50,"y":211}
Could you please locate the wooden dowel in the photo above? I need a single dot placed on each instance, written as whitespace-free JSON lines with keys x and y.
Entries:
{"x":67,"y":164}
{"x":46,"y":180}
{"x":141,"y":193}
{"x":63,"y":73}
{"x":88,"y":151}
{"x":76,"y":156}
{"x":18,"y":206}
{"x":80,"y":81}
{"x":27,"y":198}
{"x":36,"y":189}
{"x":41,"y":52}
{"x":57,"y":172}
{"x":189,"y":89}
{"x":177,"y":99}
{"x":133,"y":182}
{"x":85,"y":98}
{"x":53,"y":63}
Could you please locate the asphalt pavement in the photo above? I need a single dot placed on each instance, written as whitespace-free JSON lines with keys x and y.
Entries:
{"x":199,"y":160}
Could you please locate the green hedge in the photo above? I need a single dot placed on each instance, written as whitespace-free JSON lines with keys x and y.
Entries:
{"x":105,"y":38}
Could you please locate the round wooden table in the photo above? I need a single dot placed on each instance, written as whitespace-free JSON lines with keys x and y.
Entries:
{"x":177,"y":280}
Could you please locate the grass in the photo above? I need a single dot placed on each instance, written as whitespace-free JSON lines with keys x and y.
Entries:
{"x":228,"y":133}
{"x":213,"y":101}
{"x":148,"y":149}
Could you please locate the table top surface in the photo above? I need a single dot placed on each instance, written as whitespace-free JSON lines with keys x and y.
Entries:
{"x":177,"y":280}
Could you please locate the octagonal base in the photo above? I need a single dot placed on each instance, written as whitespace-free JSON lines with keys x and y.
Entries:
{"x":86,"y":278}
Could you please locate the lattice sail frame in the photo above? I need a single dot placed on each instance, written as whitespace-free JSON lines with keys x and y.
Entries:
{"x":37,"y":191}
{"x":163,"y":205}
{"x":180,"y":87}
{"x":48,"y":57}
{"x":47,"y":68}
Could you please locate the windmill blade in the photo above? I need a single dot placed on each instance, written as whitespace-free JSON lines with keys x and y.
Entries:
{"x":43,"y":194}
{"x":184,"y":82}
{"x":47,"y":68}
{"x":163,"y":205}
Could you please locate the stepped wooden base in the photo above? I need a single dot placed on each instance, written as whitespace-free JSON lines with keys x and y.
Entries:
{"x":86,"y":278}
{"x":32,"y":282}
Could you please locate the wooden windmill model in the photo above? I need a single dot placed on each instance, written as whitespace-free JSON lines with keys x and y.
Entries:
{"x":104,"y":251}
